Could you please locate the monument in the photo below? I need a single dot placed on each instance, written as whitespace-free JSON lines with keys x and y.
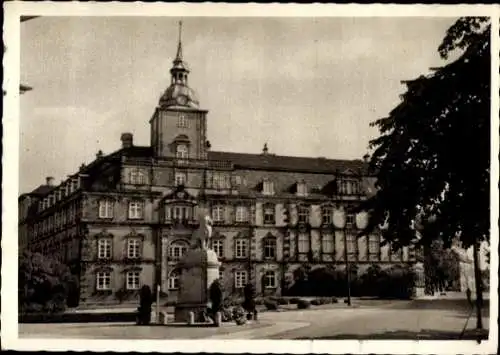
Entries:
{"x":199,"y":269}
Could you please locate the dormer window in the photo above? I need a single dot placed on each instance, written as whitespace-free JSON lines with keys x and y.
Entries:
{"x":301,"y":189}
{"x":267,"y":187}
{"x":348,"y":187}
{"x":137,"y":177}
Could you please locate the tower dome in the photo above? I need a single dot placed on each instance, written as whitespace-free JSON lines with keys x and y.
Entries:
{"x":179,"y":93}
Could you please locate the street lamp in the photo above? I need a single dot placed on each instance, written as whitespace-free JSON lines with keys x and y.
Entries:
{"x":339,"y":221}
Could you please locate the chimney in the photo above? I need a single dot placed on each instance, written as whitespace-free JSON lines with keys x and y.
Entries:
{"x":49,"y":180}
{"x":127,"y":140}
{"x":99,"y":154}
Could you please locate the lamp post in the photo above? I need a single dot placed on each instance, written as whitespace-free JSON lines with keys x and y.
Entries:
{"x":339,"y":221}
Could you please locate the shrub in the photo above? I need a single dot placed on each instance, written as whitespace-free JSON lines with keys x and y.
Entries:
{"x":325,"y":300}
{"x":334,"y":300}
{"x":294,"y":300}
{"x":282,"y":301}
{"x":227,"y":314}
{"x":239,"y":315}
{"x":259,"y":301}
{"x":271,"y":305}
{"x":303,"y":304}
{"x":44,"y":283}
{"x":316,"y":302}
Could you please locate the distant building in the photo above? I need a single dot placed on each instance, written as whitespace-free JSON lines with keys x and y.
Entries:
{"x":126,"y":219}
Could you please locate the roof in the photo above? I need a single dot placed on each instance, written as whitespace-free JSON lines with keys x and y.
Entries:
{"x":289,"y":163}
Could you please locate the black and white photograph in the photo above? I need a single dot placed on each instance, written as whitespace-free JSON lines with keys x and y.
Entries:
{"x":254,"y":175}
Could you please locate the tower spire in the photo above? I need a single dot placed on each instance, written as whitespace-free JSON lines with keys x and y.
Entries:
{"x":178,"y":57}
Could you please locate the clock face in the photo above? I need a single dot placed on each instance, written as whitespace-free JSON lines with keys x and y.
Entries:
{"x":182,"y":100}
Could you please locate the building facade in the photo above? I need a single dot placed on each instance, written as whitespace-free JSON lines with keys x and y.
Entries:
{"x":127,"y":218}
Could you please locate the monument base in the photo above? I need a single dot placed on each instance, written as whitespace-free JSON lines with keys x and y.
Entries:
{"x":182,"y":312}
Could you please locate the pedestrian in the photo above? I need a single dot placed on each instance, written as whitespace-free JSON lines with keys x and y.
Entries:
{"x":469,"y":297}
{"x":144,"y":309}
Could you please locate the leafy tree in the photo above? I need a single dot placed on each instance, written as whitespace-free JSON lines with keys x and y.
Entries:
{"x":431,"y":161}
{"x":441,"y":267}
{"x":44,"y":283}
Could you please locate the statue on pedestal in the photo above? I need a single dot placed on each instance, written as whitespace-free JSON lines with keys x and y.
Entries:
{"x":203,"y":234}
{"x":199,"y":269}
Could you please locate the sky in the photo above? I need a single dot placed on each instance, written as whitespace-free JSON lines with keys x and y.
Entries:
{"x":306,"y":86}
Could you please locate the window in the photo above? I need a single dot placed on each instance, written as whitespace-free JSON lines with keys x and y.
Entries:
{"x":133,"y":248}
{"x":133,"y":280}
{"x":270,"y":248}
{"x":351,"y":245}
{"x":182,"y":122}
{"x":303,"y":243}
{"x":106,"y":209}
{"x":326,"y":215}
{"x":350,"y":220}
{"x":267,"y":187}
{"x":137,"y":177}
{"x":182,"y":151}
{"x":373,"y":247}
{"x":269,"y":214}
{"x":270,"y":279}
{"x":396,"y":255}
{"x":135,"y":210}
{"x":301,"y":189}
{"x":327,"y":243}
{"x":179,"y":212}
{"x":218,"y":213}
{"x":241,"y":246}
{"x":218,"y":247}
{"x":240,"y":279}
{"x":180,"y":178}
{"x":349,"y":187}
{"x":221,"y":274}
{"x":303,"y":214}
{"x":104,"y":249}
{"x":56,"y":220}
{"x":241,"y":214}
{"x":220,"y":181}
{"x":103,"y":280}
{"x":177,"y":250}
{"x":173,"y":280}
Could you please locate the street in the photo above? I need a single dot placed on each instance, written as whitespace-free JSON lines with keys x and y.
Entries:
{"x":430,"y":319}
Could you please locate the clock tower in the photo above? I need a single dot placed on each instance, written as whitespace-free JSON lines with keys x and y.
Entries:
{"x":178,"y":125}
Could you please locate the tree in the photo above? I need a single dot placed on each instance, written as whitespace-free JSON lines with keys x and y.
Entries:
{"x":432,"y":157}
{"x":44,"y":283}
{"x":441,"y":267}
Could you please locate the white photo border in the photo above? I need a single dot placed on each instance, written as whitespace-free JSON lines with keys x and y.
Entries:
{"x":13,"y":11}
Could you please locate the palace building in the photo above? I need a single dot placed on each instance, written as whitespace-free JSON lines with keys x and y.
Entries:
{"x":125,"y":219}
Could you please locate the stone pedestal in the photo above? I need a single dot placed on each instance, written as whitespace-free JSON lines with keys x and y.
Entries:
{"x":199,"y":268}
{"x":419,"y":287}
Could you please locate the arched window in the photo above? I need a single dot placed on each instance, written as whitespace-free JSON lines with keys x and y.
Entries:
{"x":173,"y":280}
{"x":177,"y":250}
